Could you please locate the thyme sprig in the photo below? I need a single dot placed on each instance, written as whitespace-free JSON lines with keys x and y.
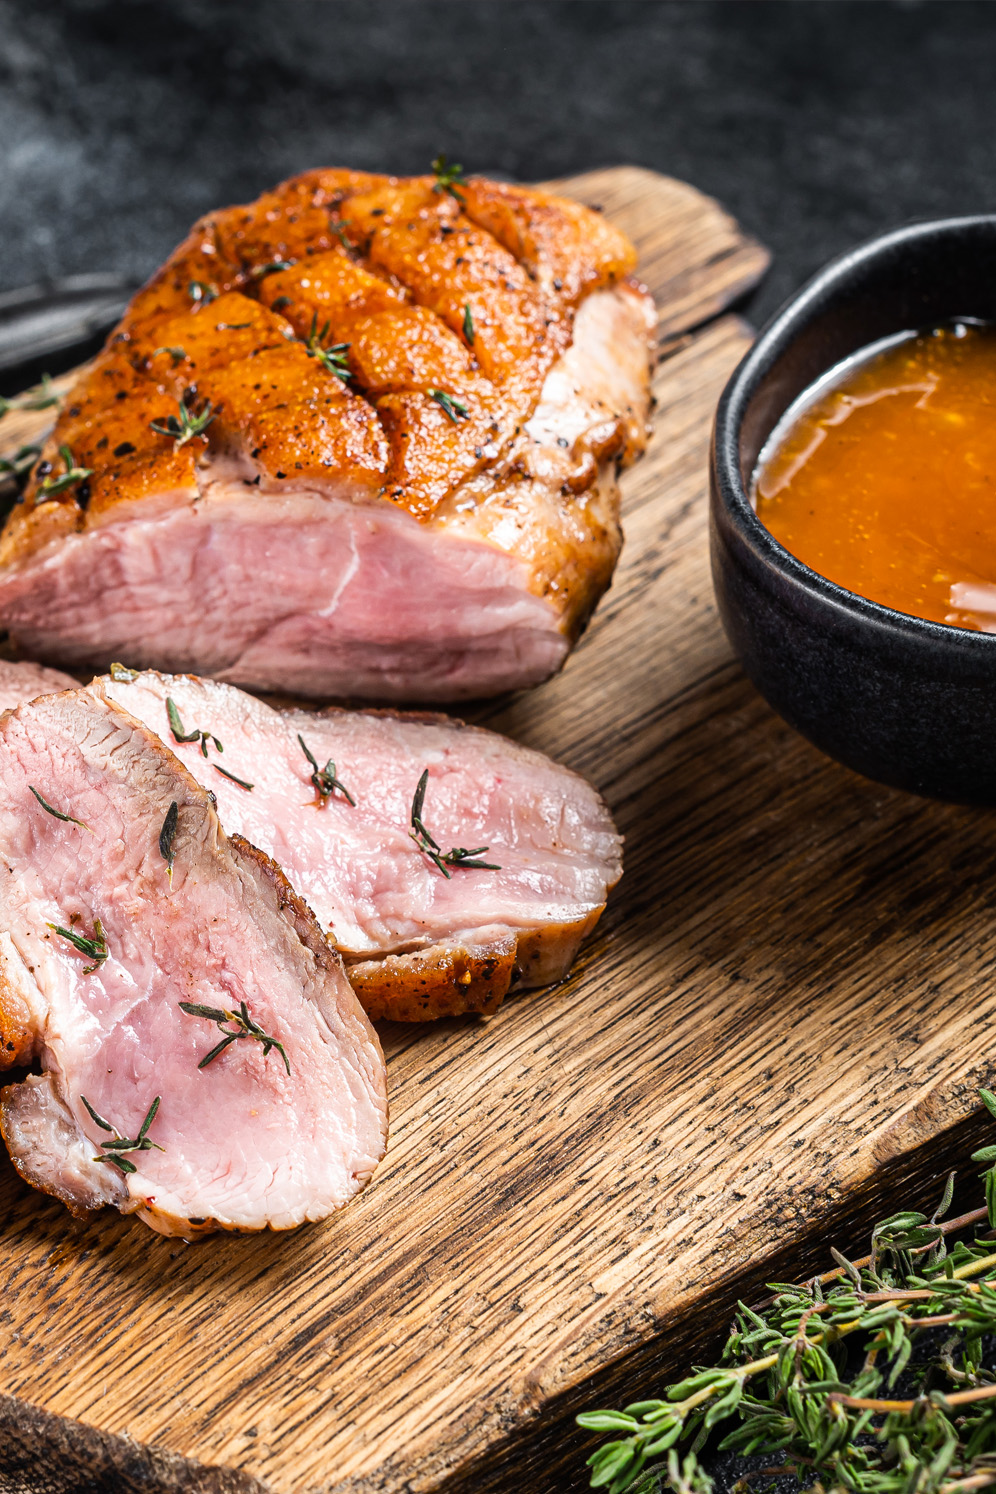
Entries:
{"x":57,"y":813}
{"x":119,"y":1144}
{"x":180,"y":735}
{"x":95,"y":949}
{"x":246,"y":1027}
{"x":15,"y":470}
{"x":457,"y":856}
{"x":225,"y":774}
{"x":259,"y":271}
{"x":451,"y":407}
{"x":190,"y":423}
{"x":177,"y":355}
{"x":810,"y":1376}
{"x":50,"y":486}
{"x":449,"y":178}
{"x":468,"y":324}
{"x":324,"y":779}
{"x":167,"y":836}
{"x":41,"y":399}
{"x":333,"y":356}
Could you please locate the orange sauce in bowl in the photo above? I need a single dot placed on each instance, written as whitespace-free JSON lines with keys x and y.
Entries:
{"x":883,"y":477}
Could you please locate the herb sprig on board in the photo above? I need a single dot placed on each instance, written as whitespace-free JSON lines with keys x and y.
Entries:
{"x":809,"y":1379}
{"x":245,"y":1027}
{"x":114,"y":1148}
{"x":457,"y":856}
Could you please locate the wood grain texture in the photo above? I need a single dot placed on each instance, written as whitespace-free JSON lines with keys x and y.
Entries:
{"x":785,"y":1000}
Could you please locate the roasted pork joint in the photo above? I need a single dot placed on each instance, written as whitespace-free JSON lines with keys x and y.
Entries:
{"x":445,"y":862}
{"x":358,"y":438}
{"x":203,"y":1060}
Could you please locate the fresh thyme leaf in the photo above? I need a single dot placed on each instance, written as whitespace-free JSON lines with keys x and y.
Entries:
{"x":280,"y":303}
{"x":176,"y":354}
{"x":167,"y":835}
{"x":119,"y":1144}
{"x":189,"y":424}
{"x":179,"y":735}
{"x":201,"y":292}
{"x":449,"y":178}
{"x":57,"y":813}
{"x":457,"y":856}
{"x":259,"y":271}
{"x":324,"y":779}
{"x":95,"y":949}
{"x":452,"y":407}
{"x":72,"y":475}
{"x":122,"y":674}
{"x":240,"y":781}
{"x":43,"y":399}
{"x":339,"y":229}
{"x":468,"y":325}
{"x":331,"y":357}
{"x":245,"y":1027}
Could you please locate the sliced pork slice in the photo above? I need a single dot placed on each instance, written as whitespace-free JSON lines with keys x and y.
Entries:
{"x":359,"y":438}
{"x":121,"y":899}
{"x":418,"y":943}
{"x":19,"y":682}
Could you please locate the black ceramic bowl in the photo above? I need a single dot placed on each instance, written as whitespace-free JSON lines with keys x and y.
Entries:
{"x":909,"y":702}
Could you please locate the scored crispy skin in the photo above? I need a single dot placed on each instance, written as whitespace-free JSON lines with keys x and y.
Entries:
{"x":351,"y":337}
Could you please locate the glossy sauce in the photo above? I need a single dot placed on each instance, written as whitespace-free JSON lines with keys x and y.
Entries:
{"x":884,"y":478}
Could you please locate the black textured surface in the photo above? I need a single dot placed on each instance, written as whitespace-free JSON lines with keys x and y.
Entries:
{"x":817,"y":122}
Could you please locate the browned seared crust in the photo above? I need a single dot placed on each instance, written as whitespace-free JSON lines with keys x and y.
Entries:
{"x":469,"y":295}
{"x":443,"y":981}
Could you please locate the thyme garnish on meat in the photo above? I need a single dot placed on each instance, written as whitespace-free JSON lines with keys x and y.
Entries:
{"x":113,"y":1149}
{"x":201,"y":292}
{"x":240,"y":781}
{"x":259,"y":271}
{"x":44,"y":399}
{"x":95,"y":949}
{"x":333,"y":357}
{"x":179,"y":735}
{"x":176,"y":354}
{"x":57,"y":813}
{"x":468,"y":324}
{"x":247,"y":1028}
{"x":122,"y":674}
{"x":339,"y":229}
{"x":50,"y":486}
{"x":167,"y":836}
{"x":190,"y":424}
{"x":457,"y":856}
{"x":325,"y":779}
{"x":448,"y":178}
{"x":452,"y":407}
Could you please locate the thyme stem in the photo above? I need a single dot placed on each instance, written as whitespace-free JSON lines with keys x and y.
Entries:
{"x":57,"y":813}
{"x":325,"y":779}
{"x":246,"y":1027}
{"x":458,"y":856}
{"x":119,"y":1143}
{"x":95,"y":948}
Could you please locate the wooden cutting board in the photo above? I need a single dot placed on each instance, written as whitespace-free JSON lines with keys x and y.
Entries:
{"x":783,"y":1015}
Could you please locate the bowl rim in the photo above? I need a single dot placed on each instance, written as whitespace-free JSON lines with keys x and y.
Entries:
{"x":772,"y":340}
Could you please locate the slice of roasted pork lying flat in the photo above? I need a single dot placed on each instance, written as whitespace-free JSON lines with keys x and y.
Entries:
{"x":330,"y":794}
{"x":203,"y":1060}
{"x":20,"y":682}
{"x":359,"y":438}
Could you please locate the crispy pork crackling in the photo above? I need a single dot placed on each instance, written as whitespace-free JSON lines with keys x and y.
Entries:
{"x":358,"y":438}
{"x":420,"y":939}
{"x":129,"y":926}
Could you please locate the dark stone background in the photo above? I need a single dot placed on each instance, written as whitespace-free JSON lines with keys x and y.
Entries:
{"x":817,"y":122}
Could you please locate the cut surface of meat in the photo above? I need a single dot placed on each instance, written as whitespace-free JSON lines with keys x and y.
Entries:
{"x":419,"y":940}
{"x":130,"y":925}
{"x":359,"y":438}
{"x":20,"y":682}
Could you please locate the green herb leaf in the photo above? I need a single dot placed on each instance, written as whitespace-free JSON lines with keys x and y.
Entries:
{"x":176,"y":354}
{"x":119,"y":1144}
{"x":468,"y":325}
{"x":457,"y":856}
{"x":240,"y":781}
{"x":245,"y":1027}
{"x":449,"y":178}
{"x":179,"y":735}
{"x":57,"y":813}
{"x":95,"y":948}
{"x":167,"y":835}
{"x":185,"y":427}
{"x":42,"y":398}
{"x":122,"y":675}
{"x":201,"y":292}
{"x":51,"y":486}
{"x":324,"y":779}
{"x":451,"y":407}
{"x":332,"y":356}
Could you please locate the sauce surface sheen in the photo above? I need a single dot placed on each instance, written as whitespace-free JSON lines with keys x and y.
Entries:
{"x":884,"y":481}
